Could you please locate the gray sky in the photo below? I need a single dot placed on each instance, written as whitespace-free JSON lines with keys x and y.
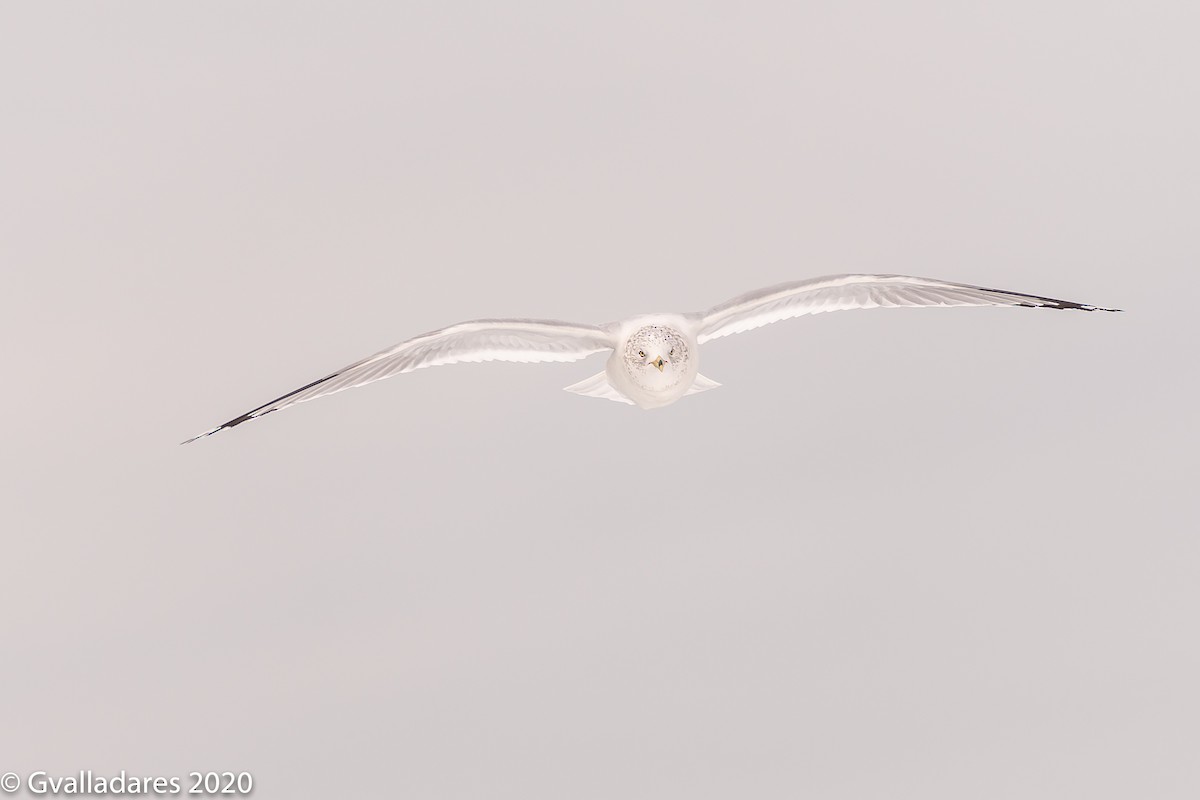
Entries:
{"x":927,"y":554}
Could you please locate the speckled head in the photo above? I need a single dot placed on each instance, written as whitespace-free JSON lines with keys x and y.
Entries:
{"x":657,"y":357}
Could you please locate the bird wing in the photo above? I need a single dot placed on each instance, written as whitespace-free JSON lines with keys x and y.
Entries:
{"x":844,"y":292}
{"x":526,"y":340}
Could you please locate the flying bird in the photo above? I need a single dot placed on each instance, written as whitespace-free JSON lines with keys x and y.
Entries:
{"x":655,"y":357}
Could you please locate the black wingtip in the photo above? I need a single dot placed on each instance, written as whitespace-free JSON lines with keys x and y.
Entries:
{"x":1058,"y":305}
{"x":259,"y":412}
{"x":233,"y":423}
{"x":209,"y":432}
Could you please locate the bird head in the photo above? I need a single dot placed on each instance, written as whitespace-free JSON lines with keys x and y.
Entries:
{"x":656,"y":357}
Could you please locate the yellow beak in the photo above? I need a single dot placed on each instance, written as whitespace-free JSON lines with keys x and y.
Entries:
{"x":658,"y":362}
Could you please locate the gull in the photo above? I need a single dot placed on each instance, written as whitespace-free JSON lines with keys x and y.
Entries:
{"x":655,"y":357}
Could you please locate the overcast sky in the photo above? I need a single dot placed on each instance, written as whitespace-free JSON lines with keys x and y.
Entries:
{"x":927,"y":554}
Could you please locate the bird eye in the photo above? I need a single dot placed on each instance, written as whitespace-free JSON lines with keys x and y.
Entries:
{"x":672,"y":353}
{"x":641,"y":353}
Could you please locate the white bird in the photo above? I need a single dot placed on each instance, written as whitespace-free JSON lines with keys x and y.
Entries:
{"x":655,"y":357}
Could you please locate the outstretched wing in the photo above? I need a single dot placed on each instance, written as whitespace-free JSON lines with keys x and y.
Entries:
{"x":844,"y":292}
{"x":527,"y":340}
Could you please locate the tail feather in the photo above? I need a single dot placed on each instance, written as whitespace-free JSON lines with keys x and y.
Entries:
{"x":598,"y":386}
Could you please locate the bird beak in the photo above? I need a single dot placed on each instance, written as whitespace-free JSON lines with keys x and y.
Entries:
{"x":658,"y":362}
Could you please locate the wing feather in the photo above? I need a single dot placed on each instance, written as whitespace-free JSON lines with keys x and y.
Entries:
{"x":845,"y":292}
{"x":518,"y":340}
